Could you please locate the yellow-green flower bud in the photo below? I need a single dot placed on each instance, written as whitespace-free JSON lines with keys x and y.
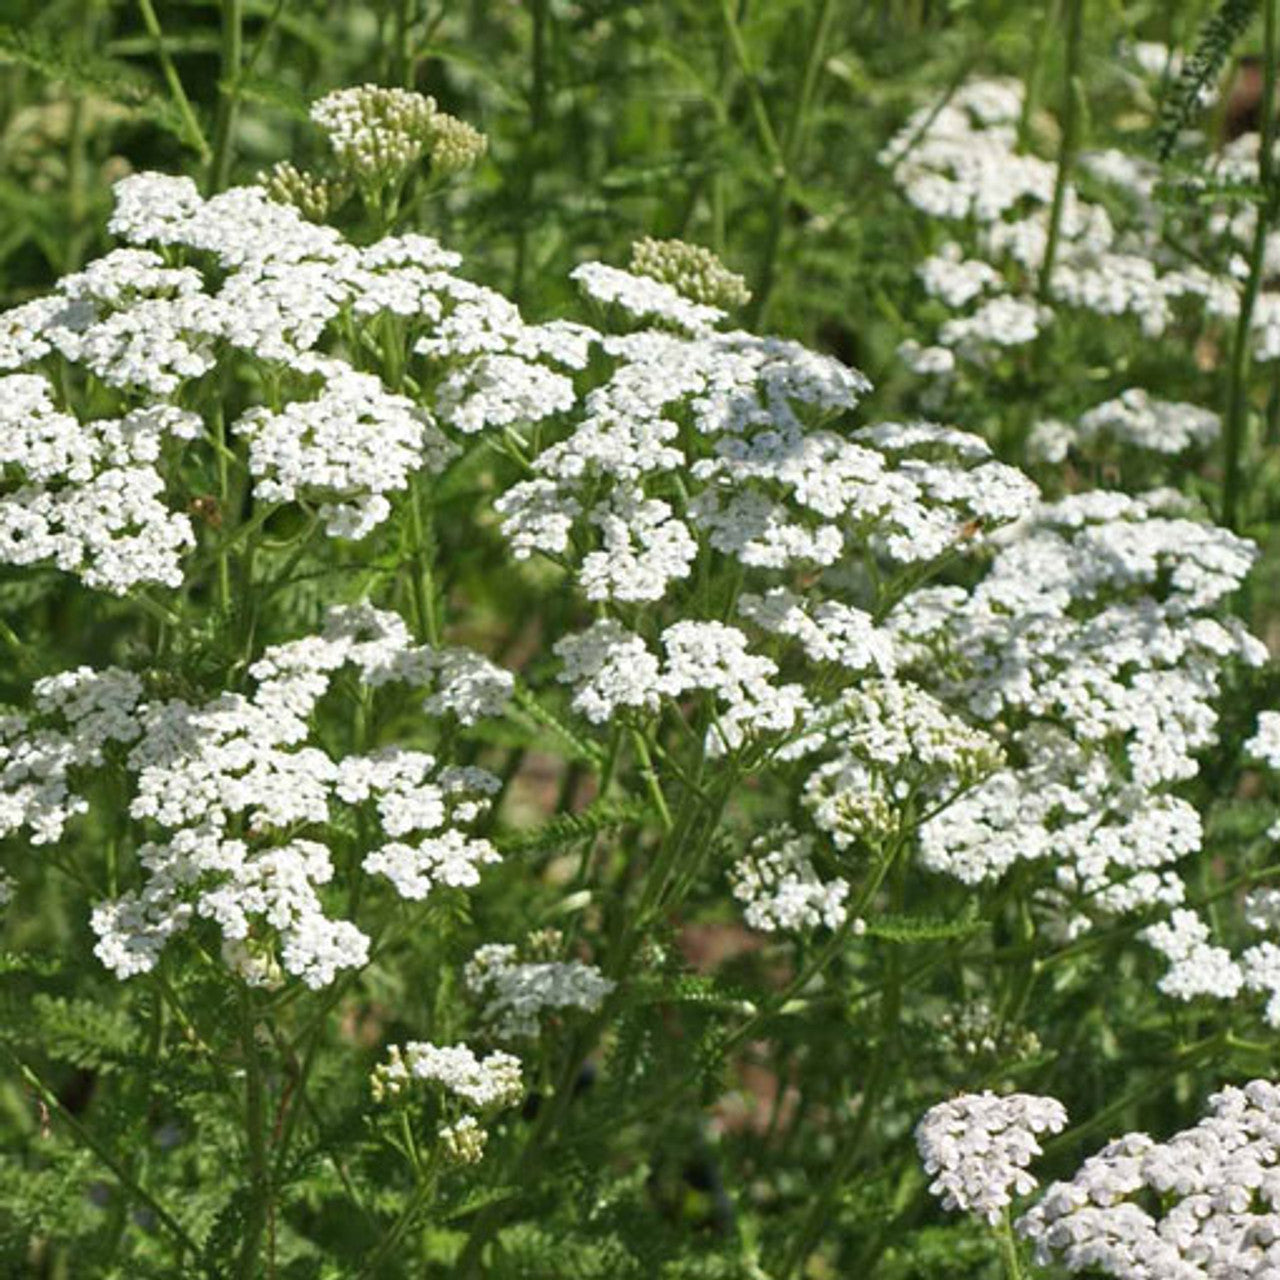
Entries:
{"x":455,"y":145}
{"x":314,"y":197}
{"x":376,"y":134}
{"x":464,"y":1141}
{"x":691,"y":270}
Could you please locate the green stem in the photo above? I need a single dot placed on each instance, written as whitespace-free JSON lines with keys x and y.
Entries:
{"x":195,"y":135}
{"x":1009,"y":1248}
{"x":539,"y":13}
{"x":224,"y":509}
{"x":186,"y":1245}
{"x":890,"y":1016}
{"x":1031,"y":92}
{"x":1237,"y":384}
{"x":1067,"y":144}
{"x":791,"y":146}
{"x":402,"y":54}
{"x":760,"y":113}
{"x":265,"y":32}
{"x":820,"y":1210}
{"x":651,"y":779}
{"x":422,"y":579}
{"x":400,"y":1227}
{"x":228,"y":93}
{"x":136,"y":1092}
{"x":256,"y":1136}
{"x":76,"y":202}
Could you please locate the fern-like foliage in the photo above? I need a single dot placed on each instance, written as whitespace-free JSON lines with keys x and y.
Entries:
{"x":569,"y":828}
{"x":907,"y":929}
{"x":571,"y":742}
{"x":91,"y":73}
{"x":1217,"y":38}
{"x":80,"y":1032}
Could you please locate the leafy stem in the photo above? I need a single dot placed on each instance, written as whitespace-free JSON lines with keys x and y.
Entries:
{"x":185,"y":1244}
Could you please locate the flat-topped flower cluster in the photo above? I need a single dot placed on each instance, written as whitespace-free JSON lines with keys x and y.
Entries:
{"x":1041,"y":714}
{"x":819,"y":659}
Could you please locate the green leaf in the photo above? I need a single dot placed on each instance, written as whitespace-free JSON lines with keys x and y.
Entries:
{"x":275,"y":93}
{"x":579,"y":748}
{"x":692,"y":988}
{"x":569,"y":828}
{"x":923,"y":928}
{"x":85,"y":72}
{"x":474,"y":66}
{"x":20,"y":962}
{"x":1218,"y":37}
{"x":82,"y":1032}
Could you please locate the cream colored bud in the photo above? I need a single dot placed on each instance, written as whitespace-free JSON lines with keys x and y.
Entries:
{"x":691,"y":270}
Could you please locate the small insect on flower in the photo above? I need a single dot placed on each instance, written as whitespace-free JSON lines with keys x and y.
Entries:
{"x":206,"y":509}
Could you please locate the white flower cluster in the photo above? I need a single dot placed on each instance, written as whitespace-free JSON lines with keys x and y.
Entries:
{"x":960,"y":160}
{"x":954,"y":279}
{"x":781,"y":890}
{"x":1203,"y":1206}
{"x":643,"y":297}
{"x":1091,"y":647}
{"x":89,"y":496}
{"x":1141,"y":421}
{"x":897,"y":754}
{"x":517,"y":994}
{"x":39,"y":760}
{"x":613,"y":670}
{"x":231,"y":782}
{"x":1201,"y":967}
{"x":1196,"y":968}
{"x":487,"y":1083}
{"x":977,"y":1147}
{"x":1264,"y":746}
{"x":1133,"y":420}
{"x":830,"y":631}
{"x":759,"y":478}
{"x":963,"y":162}
{"x":352,"y":444}
{"x":100,"y":498}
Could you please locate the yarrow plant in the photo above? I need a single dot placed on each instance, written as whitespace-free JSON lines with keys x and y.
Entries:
{"x":493,"y":789}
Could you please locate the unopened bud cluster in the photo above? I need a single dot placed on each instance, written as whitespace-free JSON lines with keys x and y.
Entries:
{"x":691,"y":270}
{"x":314,"y":197}
{"x":464,"y":1141}
{"x":977,"y":1031}
{"x":377,"y":135}
{"x":455,"y":145}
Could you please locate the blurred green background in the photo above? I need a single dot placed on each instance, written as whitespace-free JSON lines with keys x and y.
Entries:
{"x":751,"y":126}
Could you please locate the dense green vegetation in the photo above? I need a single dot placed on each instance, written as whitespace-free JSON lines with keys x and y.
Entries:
{"x":730,"y":767}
